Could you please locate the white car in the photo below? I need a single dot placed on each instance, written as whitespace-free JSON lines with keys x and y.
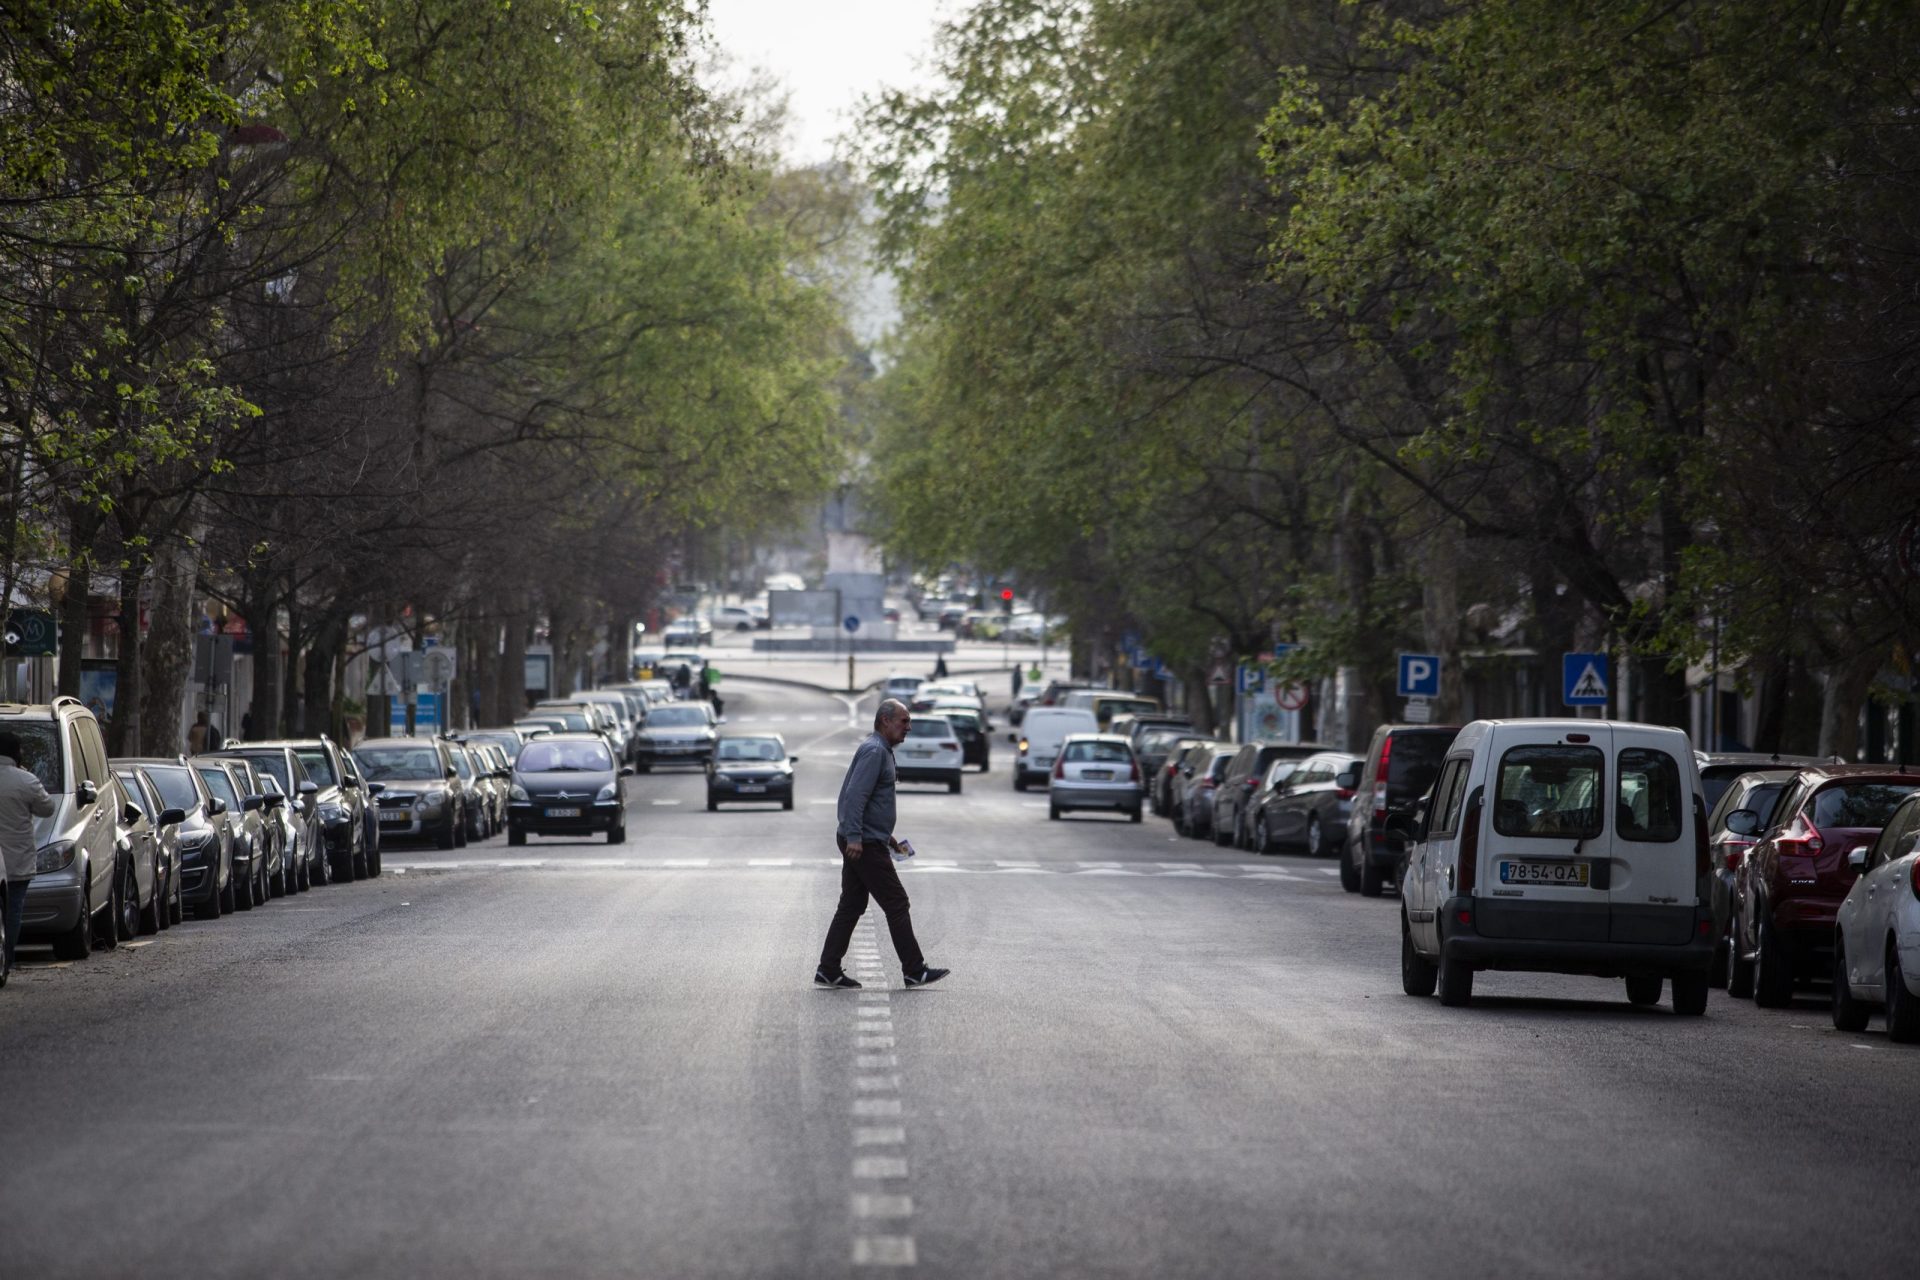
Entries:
{"x":1095,"y":771}
{"x":930,"y":753}
{"x":901,"y":687}
{"x":689,"y":630}
{"x":1876,"y":943}
{"x":734,"y":617}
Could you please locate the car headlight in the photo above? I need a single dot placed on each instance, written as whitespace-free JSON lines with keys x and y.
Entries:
{"x":607,"y":792}
{"x":53,"y":857}
{"x":516,"y":792}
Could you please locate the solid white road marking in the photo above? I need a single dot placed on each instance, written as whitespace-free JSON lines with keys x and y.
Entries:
{"x":131,"y":946}
{"x":521,"y":862}
{"x":869,"y":1205}
{"x":685,"y":862}
{"x":823,"y":802}
{"x":880,"y":1166}
{"x":1178,"y":866}
{"x":769,"y":862}
{"x":878,"y":1107}
{"x":879,"y":1136}
{"x":884,"y":1251}
{"x":666,"y":802}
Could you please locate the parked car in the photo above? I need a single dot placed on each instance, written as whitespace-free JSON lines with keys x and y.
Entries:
{"x":1789,"y":887}
{"x":750,"y":768}
{"x":1876,"y":944}
{"x":587,"y":716}
{"x":1233,"y":812}
{"x":240,"y":810}
{"x":1095,"y":771}
{"x":1400,"y":765}
{"x":930,"y":753}
{"x":509,"y":741}
{"x":1271,"y":785}
{"x":1136,"y":725}
{"x":735,"y":617}
{"x":163,"y":821}
{"x":568,"y":784}
{"x":1041,"y":734}
{"x":1311,"y":809}
{"x":477,"y":782}
{"x":1726,"y":848}
{"x":626,"y":717}
{"x":140,"y":906}
{"x":688,"y":631}
{"x":346,"y":802}
{"x":1179,"y":768}
{"x":1193,"y":817}
{"x":278,"y":863}
{"x":423,"y":793}
{"x":284,"y":813}
{"x":301,"y":809}
{"x":1718,"y":769}
{"x":71,"y":900}
{"x":1159,"y":754}
{"x":678,"y":733}
{"x":494,"y":775}
{"x":206,"y":841}
{"x":1559,"y":846}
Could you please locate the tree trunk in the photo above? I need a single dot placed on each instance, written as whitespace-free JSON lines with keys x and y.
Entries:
{"x":262,"y":615}
{"x":1441,"y":618}
{"x":1843,"y":690}
{"x":316,"y":706}
{"x":167,"y":655}
{"x":123,"y":736}
{"x":510,"y":684}
{"x":1770,"y":718}
{"x":74,"y":617}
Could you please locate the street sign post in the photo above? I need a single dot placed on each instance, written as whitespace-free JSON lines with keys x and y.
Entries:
{"x":1252,"y":678}
{"x":31,"y":634}
{"x":1584,"y":679}
{"x":438,"y":666}
{"x":1419,"y":675}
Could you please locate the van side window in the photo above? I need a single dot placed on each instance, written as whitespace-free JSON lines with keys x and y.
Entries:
{"x":1447,"y":794}
{"x":1550,"y":790}
{"x":1648,"y":807}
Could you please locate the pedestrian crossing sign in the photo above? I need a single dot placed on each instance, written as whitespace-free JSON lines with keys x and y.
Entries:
{"x":1584,"y":679}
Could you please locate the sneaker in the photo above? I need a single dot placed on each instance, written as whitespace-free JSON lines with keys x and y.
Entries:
{"x":821,"y":978}
{"x":927,"y":974}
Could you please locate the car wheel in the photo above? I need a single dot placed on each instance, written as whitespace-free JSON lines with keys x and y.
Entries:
{"x":953,"y":788}
{"x":1739,"y":968}
{"x":1053,"y":813}
{"x":1903,"y":1008}
{"x":516,"y":836}
{"x":1772,"y":970}
{"x":444,"y":838}
{"x":986,"y":764}
{"x":617,"y":835}
{"x":1134,"y":814}
{"x":1218,"y":836}
{"x":177,"y":908}
{"x":77,"y":942}
{"x":1644,"y":990}
{"x":262,"y":884}
{"x":1690,"y":994}
{"x":1349,"y":872}
{"x":1849,"y":1011}
{"x":153,"y":916}
{"x":458,"y":824}
{"x":713,"y":806}
{"x":643,"y":766}
{"x":1316,"y":838}
{"x":1717,"y":975}
{"x":1262,"y":837}
{"x":1417,"y":974}
{"x":125,"y":915}
{"x":1454,"y":979}
{"x":229,"y":894}
{"x":1019,"y":779}
{"x":373,"y":860}
{"x":1372,"y":879}
{"x":243,"y":892}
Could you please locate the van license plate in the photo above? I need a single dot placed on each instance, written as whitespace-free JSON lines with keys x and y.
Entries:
{"x":1571,"y":874}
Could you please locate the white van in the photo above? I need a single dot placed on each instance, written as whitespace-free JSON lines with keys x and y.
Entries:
{"x":1559,"y":846}
{"x":1041,"y":734}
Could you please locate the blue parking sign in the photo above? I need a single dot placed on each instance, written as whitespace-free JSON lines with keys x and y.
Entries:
{"x":1419,"y":675}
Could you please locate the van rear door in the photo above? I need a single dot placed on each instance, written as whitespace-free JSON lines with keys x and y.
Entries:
{"x":1543,"y":861}
{"x":1653,"y":885}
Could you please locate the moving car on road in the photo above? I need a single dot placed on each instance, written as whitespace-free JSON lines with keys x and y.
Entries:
{"x":976,"y":747}
{"x":1559,"y":846}
{"x":568,"y":784}
{"x":1876,"y":945}
{"x":678,"y":733}
{"x":750,"y":768}
{"x":1095,"y":771}
{"x":423,"y":793}
{"x":1041,"y":734}
{"x":930,"y":753}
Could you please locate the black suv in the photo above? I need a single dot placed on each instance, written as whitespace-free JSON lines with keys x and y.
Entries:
{"x":1402,"y":762}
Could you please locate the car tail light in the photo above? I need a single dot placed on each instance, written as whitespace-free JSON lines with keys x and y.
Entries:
{"x":1736,"y":847}
{"x":949,"y":746}
{"x":1380,"y":781}
{"x":1343,"y":793}
{"x":1060,"y":766}
{"x":1469,"y":847}
{"x":1802,"y":839}
{"x":1251,"y":781}
{"x":1208,"y":784}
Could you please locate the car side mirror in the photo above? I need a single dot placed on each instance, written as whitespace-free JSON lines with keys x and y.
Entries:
{"x":626,"y":771}
{"x":309,"y":787}
{"x":1744,"y":822}
{"x":1347,"y":779}
{"x":1857,"y":858}
{"x":375,"y":788}
{"x":85,"y":794}
{"x":275,"y":800}
{"x":216,"y":806}
{"x":249,"y":803}
{"x":172,"y":817}
{"x":130,"y":814}
{"x":350,"y":782}
{"x":793,"y":759}
{"x":452,"y":773}
{"x":1400,"y":826}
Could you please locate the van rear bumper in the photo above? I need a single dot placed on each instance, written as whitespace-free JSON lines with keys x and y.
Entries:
{"x":1594,"y":958}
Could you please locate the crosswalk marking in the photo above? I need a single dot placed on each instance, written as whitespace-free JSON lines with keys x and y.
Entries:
{"x":917,"y":866}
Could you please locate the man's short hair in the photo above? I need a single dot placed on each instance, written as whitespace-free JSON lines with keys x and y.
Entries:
{"x":889,"y":709}
{"x":10,"y":746}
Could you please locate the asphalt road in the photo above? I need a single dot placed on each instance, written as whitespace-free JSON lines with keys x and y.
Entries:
{"x":1154,"y":1058}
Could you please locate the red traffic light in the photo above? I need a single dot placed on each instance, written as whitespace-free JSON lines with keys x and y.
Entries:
{"x":1006,"y":593}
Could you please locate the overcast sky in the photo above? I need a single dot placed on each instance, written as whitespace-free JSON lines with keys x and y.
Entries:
{"x":828,"y":53}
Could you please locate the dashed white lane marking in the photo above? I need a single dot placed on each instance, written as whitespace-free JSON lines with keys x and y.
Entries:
{"x":664,"y":803}
{"x":776,"y":719}
{"x":866,"y":1204}
{"x":823,"y":802}
{"x":521,"y":862}
{"x":880,"y":1166}
{"x":1329,"y":871}
{"x":876,"y":1084}
{"x":1094,"y":866}
{"x":1178,"y":866}
{"x":884,"y":1251}
{"x":599,"y":863}
{"x":879,"y":1136}
{"x":769,"y":862}
{"x":875,"y":1061}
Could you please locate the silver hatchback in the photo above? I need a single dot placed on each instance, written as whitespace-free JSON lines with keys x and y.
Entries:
{"x":1095,"y":771}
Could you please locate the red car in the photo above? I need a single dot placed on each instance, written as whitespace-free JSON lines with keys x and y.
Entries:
{"x":1788,"y":889}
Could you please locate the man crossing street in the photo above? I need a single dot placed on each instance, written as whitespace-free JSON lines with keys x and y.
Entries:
{"x":865,"y":836}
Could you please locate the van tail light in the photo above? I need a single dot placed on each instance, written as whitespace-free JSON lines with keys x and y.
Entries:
{"x":1469,"y":847}
{"x":1702,"y":852}
{"x":1380,"y":781}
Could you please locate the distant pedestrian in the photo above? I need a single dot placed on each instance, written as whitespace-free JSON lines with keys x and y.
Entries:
{"x":22,"y":799}
{"x":682,"y":680}
{"x":940,"y":667}
{"x":864,"y":834}
{"x":1016,"y":684}
{"x":246,"y":726}
{"x":197,"y":735}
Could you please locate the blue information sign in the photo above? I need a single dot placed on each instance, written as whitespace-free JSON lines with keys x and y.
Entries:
{"x":1419,"y":675}
{"x":852,"y":623}
{"x":1584,"y":679}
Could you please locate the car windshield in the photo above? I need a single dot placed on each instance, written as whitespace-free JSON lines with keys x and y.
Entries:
{"x":566,"y":757}
{"x":463,"y":764}
{"x":381,"y":763}
{"x":1859,"y":804}
{"x":175,"y":786}
{"x":319,"y":767}
{"x":39,"y":751}
{"x":749,"y":749}
{"x":509,"y":743}
{"x":676,"y":717}
{"x":1100,"y":752}
{"x":217,"y":782}
{"x":1551,"y":791}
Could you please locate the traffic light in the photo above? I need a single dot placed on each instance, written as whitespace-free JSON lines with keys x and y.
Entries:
{"x":1006,"y":599}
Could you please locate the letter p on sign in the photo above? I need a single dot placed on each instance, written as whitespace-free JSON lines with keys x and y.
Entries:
{"x":1419,"y":675}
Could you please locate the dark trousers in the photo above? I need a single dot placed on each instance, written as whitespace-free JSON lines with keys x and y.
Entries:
{"x":872,"y":875}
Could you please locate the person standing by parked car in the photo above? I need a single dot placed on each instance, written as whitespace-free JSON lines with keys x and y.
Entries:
{"x":22,"y":799}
